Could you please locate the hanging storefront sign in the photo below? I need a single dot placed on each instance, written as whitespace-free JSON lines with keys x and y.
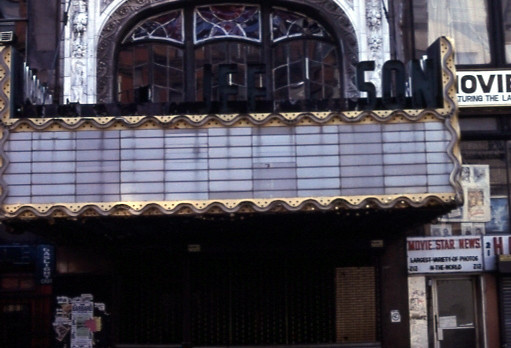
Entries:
{"x":483,"y":88}
{"x":45,"y":263}
{"x":493,"y":247}
{"x":444,"y":254}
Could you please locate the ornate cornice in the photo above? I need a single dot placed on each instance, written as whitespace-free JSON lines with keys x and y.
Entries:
{"x":110,"y":37}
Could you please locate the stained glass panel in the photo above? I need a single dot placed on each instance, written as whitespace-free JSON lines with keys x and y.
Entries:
{"x":166,"y":27}
{"x":220,"y":21}
{"x":287,"y":24}
{"x":302,"y":54}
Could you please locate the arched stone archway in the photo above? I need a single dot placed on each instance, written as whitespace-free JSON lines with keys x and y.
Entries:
{"x":124,"y":15}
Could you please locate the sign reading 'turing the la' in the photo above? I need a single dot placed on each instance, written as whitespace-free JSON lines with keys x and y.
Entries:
{"x":482,"y":88}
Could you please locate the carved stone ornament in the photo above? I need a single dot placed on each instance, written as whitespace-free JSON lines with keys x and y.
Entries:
{"x":79,"y":21}
{"x":374,"y":25}
{"x":373,"y":15}
{"x":115,"y":26}
{"x":104,"y":4}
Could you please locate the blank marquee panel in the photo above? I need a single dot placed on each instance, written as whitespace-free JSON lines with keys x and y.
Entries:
{"x":227,"y":163}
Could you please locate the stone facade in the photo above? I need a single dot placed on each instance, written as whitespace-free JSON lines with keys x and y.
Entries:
{"x":93,"y":26}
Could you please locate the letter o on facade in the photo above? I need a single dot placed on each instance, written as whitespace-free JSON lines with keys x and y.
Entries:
{"x":468,"y":80}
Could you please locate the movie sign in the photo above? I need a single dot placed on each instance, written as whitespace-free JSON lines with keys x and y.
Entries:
{"x":444,"y":254}
{"x":480,"y":88}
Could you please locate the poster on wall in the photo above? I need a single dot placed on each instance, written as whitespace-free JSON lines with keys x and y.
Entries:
{"x":441,"y":230}
{"x":79,"y":322}
{"x":62,"y":323}
{"x":472,"y":229}
{"x":499,"y":222}
{"x":82,"y":313}
{"x":475,"y":180}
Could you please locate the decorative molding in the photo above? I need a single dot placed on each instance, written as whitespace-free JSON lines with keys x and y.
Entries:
{"x":450,"y":104}
{"x":374,"y":16}
{"x":5,"y":81}
{"x":104,"y":4}
{"x":228,"y":206}
{"x":114,"y":27}
{"x":225,"y":120}
{"x":4,"y":163}
{"x":79,"y":22}
{"x":5,"y":96}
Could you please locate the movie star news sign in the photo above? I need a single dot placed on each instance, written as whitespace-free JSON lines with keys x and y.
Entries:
{"x":444,"y":254}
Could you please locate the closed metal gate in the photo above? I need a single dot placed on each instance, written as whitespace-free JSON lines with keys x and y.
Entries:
{"x":505,"y":309}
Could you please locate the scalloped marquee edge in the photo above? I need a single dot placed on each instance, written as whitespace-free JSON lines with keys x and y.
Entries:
{"x":226,"y":206}
{"x":223,"y":120}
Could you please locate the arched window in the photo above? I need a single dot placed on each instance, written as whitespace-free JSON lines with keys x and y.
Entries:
{"x":228,"y":52}
{"x":152,"y":60}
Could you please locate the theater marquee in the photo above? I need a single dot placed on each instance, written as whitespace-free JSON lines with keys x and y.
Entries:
{"x":368,"y":158}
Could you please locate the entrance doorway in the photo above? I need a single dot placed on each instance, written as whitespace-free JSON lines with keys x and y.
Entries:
{"x":455,"y":319}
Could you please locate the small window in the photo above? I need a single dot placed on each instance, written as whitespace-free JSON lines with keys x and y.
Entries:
{"x":506,"y":22}
{"x":464,"y":20}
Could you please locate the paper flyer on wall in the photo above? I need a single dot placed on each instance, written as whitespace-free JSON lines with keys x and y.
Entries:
{"x":83,"y":312}
{"x":475,"y":180}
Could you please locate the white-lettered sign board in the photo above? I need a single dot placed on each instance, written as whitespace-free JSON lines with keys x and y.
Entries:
{"x":444,"y":254}
{"x":482,"y":88}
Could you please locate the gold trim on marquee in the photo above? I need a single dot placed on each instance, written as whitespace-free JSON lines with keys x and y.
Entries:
{"x":227,"y":206}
